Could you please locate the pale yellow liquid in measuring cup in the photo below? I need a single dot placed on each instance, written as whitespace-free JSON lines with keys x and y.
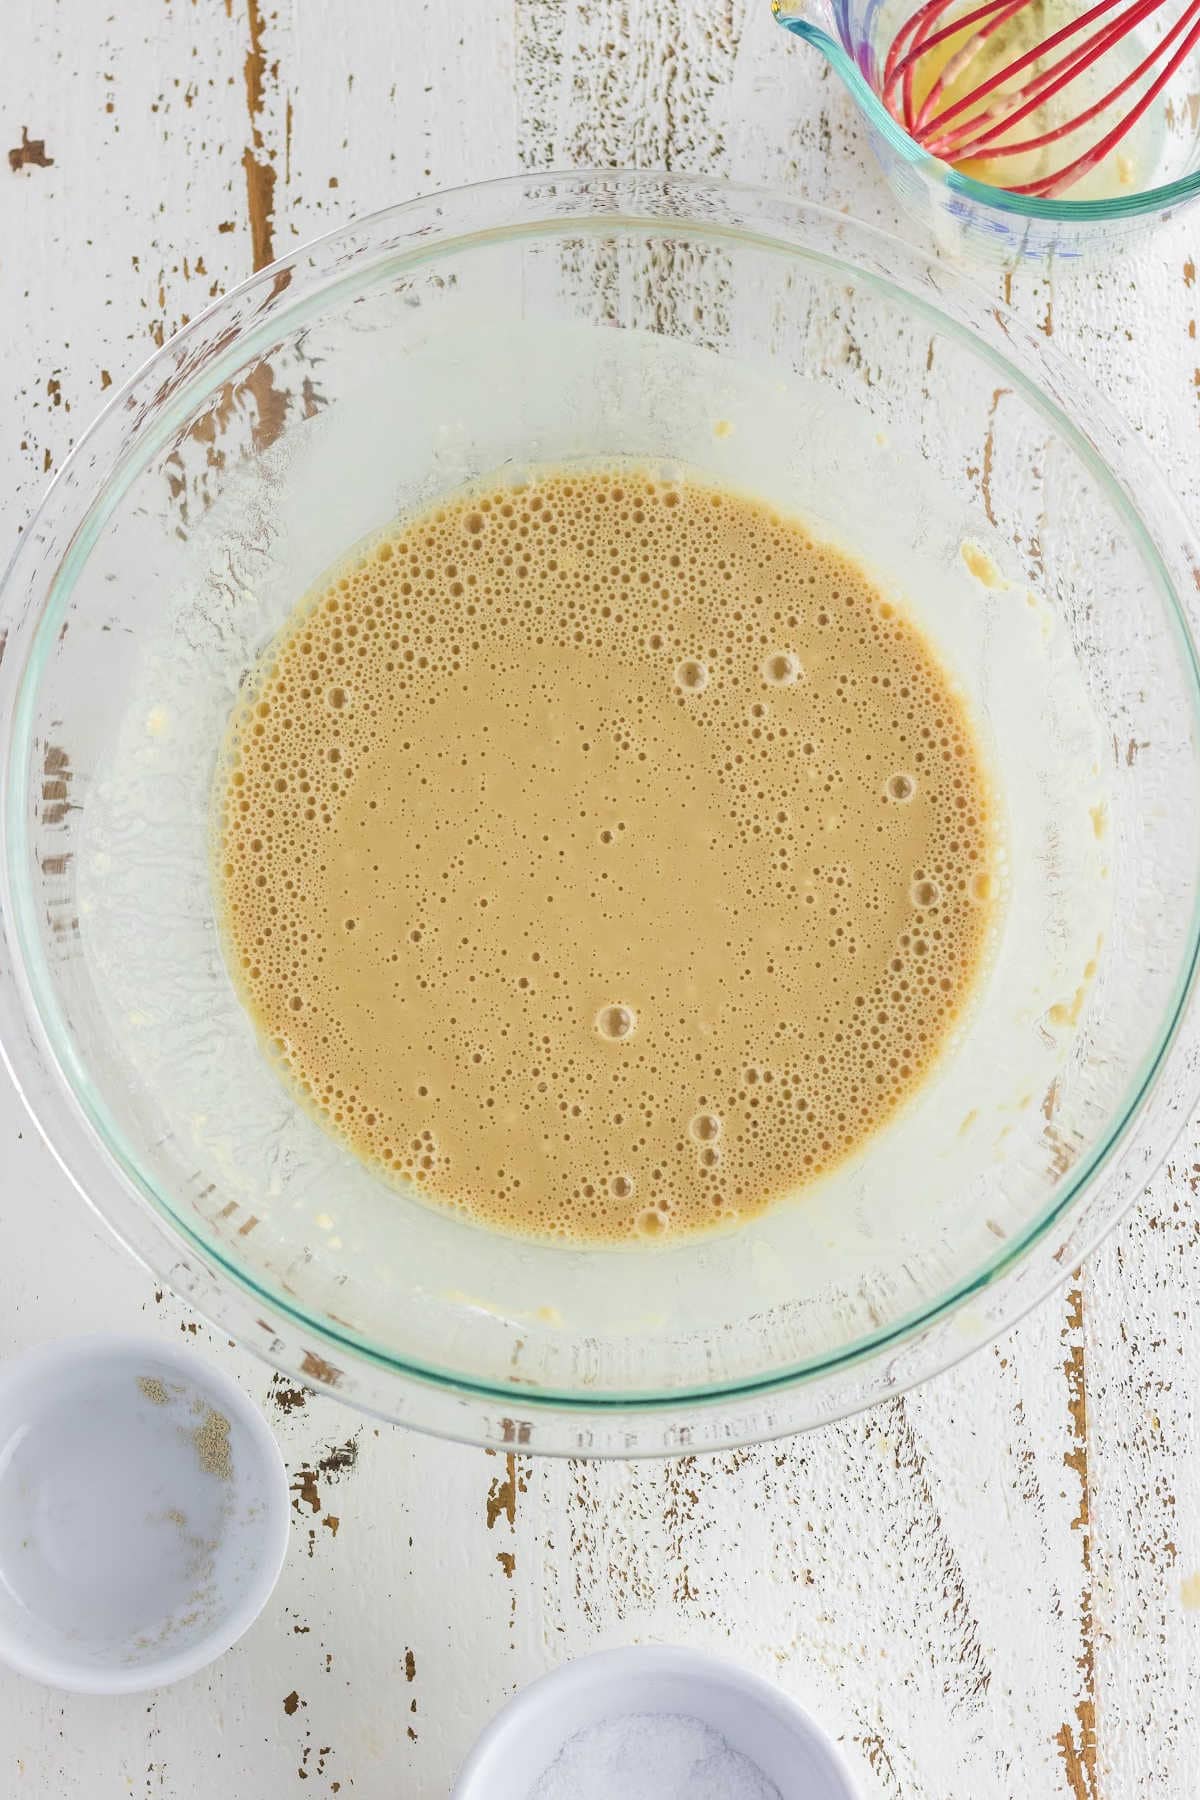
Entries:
{"x":603,"y":855}
{"x":1128,"y":167}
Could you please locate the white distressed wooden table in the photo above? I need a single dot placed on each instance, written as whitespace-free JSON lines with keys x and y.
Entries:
{"x":990,"y":1589}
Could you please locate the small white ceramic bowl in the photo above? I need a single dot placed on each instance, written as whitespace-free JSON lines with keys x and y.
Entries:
{"x":143,"y":1514}
{"x":767,"y":1727}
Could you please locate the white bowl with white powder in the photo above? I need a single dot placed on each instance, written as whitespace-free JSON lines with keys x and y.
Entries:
{"x":143,"y":1514}
{"x":650,"y":1723}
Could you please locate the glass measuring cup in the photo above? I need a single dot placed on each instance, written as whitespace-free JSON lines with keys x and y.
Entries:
{"x":972,"y":217}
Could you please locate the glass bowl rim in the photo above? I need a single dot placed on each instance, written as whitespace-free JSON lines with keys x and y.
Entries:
{"x":23,"y":1013}
{"x":979,"y":193}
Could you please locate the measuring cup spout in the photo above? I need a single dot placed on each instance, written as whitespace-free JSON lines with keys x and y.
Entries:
{"x":790,"y":13}
{"x":830,"y":27}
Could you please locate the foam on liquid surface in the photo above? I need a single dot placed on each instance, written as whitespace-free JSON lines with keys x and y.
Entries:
{"x":603,"y":855}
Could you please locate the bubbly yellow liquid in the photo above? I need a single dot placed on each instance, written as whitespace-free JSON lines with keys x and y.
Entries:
{"x":603,"y":855}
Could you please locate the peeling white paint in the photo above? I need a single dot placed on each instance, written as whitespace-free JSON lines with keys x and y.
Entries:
{"x":987,"y":1590}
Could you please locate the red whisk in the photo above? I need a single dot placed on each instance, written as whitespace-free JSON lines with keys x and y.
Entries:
{"x":978,"y":124}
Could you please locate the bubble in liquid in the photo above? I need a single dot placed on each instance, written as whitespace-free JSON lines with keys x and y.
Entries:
{"x":705,"y":1127}
{"x":368,"y":642}
{"x":691,"y":676}
{"x":781,"y":668}
{"x":617,"y":1023}
{"x":900,"y":787}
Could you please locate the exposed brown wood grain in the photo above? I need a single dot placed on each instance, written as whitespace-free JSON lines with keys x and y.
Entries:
{"x":502,"y":1494}
{"x":260,"y":203}
{"x":320,"y":1369}
{"x":989,"y":453}
{"x":286,"y":1396}
{"x":1077,"y":1741}
{"x":259,"y":170}
{"x":30,"y":153}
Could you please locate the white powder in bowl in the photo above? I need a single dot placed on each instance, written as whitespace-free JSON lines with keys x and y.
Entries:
{"x":651,"y":1756}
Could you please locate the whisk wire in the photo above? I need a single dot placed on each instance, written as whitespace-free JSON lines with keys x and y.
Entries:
{"x":1044,"y":86}
{"x":900,"y":65}
{"x":1082,"y":164}
{"x":970,"y":127}
{"x":1029,"y":57}
{"x":963,"y":58}
{"x":892,"y":72}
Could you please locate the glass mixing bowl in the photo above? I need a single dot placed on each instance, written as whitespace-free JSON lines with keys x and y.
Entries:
{"x":768,"y":344}
{"x":974,"y":219}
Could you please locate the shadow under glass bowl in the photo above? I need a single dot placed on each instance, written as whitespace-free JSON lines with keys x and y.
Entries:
{"x":1160,"y":157}
{"x":541,"y":319}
